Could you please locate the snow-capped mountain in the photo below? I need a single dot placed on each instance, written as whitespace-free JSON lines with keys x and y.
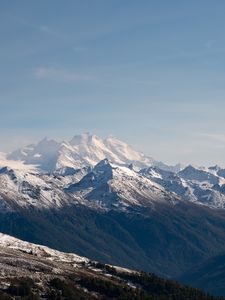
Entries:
{"x":82,"y":151}
{"x":111,"y":185}
{"x":44,"y":154}
{"x":23,"y":185}
{"x":25,"y":189}
{"x":199,"y":175}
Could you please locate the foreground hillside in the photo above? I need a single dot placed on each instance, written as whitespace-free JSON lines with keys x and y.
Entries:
{"x":30,"y":271}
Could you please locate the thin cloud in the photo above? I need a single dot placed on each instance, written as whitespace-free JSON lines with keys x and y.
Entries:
{"x":39,"y":27}
{"x":60,"y":75}
{"x":213,"y":137}
{"x":47,"y":30}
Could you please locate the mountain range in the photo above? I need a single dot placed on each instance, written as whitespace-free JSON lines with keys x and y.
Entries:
{"x":62,"y":164}
{"x":102,"y":199}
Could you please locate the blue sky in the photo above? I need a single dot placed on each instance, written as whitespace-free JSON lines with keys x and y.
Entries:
{"x":149,"y":72}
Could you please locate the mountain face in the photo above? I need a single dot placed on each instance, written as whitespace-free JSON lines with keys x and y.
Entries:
{"x":22,"y":189}
{"x":111,"y":185}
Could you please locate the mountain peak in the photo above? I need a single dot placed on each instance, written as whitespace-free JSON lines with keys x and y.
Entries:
{"x":114,"y":140}
{"x":104,"y":162}
{"x":84,"y":138}
{"x":104,"y":167}
{"x":47,"y":140}
{"x":47,"y":144}
{"x":215,"y":168}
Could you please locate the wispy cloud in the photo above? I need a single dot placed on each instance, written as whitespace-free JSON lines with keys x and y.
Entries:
{"x":38,"y":27}
{"x":47,"y":30}
{"x":213,"y":137}
{"x":60,"y":75}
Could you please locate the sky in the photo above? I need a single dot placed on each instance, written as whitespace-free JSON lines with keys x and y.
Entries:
{"x":151,"y":73}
